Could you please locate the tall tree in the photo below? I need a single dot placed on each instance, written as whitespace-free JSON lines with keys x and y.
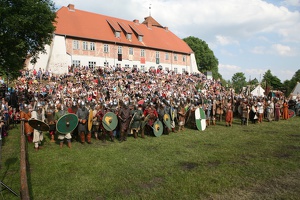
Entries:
{"x":290,"y":84}
{"x":26,"y":26}
{"x":272,"y":81}
{"x":238,"y":81}
{"x":205,"y":58}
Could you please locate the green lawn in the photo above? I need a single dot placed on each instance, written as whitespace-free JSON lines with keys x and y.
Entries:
{"x":260,"y":161}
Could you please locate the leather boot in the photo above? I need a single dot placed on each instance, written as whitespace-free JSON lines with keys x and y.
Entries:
{"x":96,"y":136}
{"x":52,"y":138}
{"x":103,"y":137}
{"x":134,"y":134}
{"x":122,"y":137}
{"x":143,"y":134}
{"x":69,"y":144}
{"x":61,"y":143}
{"x":112,"y":138}
{"x":89,"y":136}
{"x":82,"y":138}
{"x":173,"y":130}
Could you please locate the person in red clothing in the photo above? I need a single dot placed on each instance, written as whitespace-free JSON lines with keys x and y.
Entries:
{"x":285,"y":110}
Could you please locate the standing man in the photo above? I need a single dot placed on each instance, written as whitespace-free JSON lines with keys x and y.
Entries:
{"x":83,"y":115}
{"x":58,"y":114}
{"x":125,"y":116}
{"x":137,"y":116}
{"x":38,"y":136}
{"x":25,"y":115}
{"x":50,"y":114}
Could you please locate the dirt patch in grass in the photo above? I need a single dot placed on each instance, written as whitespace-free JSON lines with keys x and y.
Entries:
{"x":280,"y":187}
{"x":213,"y":164}
{"x":152,"y":183}
{"x":187,"y":166}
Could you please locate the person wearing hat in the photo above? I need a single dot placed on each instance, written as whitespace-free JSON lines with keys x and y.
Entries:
{"x":124,"y":116}
{"x":83,"y":115}
{"x":25,"y":115}
{"x":181,"y":116}
{"x":50,"y":114}
{"x":260,"y":111}
{"x":137,"y":116}
{"x":38,"y":136}
{"x":58,"y":114}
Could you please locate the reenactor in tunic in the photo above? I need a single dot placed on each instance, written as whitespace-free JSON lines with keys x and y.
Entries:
{"x":124,"y":115}
{"x":137,"y":116}
{"x":39,"y":114}
{"x":83,"y":115}
{"x":151,"y":116}
{"x":25,"y":115}
{"x":50,"y":114}
{"x":58,"y":114}
{"x":181,"y":116}
{"x":97,"y":118}
{"x":104,"y":131}
{"x":161,"y":112}
{"x":245,"y":112}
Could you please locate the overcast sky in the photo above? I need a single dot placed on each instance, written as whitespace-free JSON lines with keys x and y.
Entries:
{"x":249,"y":36}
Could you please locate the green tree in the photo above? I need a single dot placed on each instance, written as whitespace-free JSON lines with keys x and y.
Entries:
{"x":290,"y":84}
{"x":272,"y":81}
{"x":205,"y":58}
{"x":26,"y":26}
{"x":238,"y":81}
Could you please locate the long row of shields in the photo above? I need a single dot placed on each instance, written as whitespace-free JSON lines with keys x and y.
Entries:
{"x":68,"y":122}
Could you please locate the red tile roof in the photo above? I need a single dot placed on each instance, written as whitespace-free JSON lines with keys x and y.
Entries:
{"x":88,"y":25}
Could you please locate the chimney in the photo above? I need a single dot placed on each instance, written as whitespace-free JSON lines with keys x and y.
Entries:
{"x":136,"y":21}
{"x":166,"y":28}
{"x":71,"y":7}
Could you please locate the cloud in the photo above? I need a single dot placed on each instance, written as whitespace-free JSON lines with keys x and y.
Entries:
{"x":282,"y":49}
{"x":259,"y":50}
{"x":292,"y":3}
{"x":225,"y":40}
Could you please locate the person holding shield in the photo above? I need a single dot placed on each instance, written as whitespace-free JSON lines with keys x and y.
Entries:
{"x":83,"y":115}
{"x":61,"y":137}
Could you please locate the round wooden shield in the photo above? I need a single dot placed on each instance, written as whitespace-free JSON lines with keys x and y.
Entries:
{"x":110,"y":121}
{"x":200,"y":119}
{"x":67,"y":123}
{"x":158,"y":128}
{"x":38,"y":125}
{"x":90,"y":120}
{"x":291,"y":113}
{"x":167,"y":120}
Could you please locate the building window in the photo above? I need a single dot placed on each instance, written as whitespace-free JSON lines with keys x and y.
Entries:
{"x":75,"y":44}
{"x":119,"y":49}
{"x":143,"y":53}
{"x":142,"y":68}
{"x":92,"y":64}
{"x":167,"y":56}
{"x":117,"y":34}
{"x":175,"y":57}
{"x":105,"y":48}
{"x":92,"y":46}
{"x":85,"y":45}
{"x":128,"y":36}
{"x":130,"y":51}
{"x":183,"y":70}
{"x":157,"y":57}
{"x":175,"y":70}
{"x":183,"y":58}
{"x":106,"y":64}
{"x":140,"y":37}
{"x":76,"y":63}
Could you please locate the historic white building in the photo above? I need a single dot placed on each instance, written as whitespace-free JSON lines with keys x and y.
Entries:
{"x":89,"y":39}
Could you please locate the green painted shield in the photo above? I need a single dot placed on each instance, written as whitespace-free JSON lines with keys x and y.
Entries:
{"x":67,"y":123}
{"x":110,"y":121}
{"x":200,"y":119}
{"x":167,"y":120}
{"x":158,"y":128}
{"x":38,"y":125}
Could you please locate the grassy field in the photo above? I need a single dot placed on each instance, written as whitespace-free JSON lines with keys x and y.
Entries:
{"x":260,"y":161}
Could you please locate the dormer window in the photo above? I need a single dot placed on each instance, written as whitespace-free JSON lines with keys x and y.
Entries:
{"x":140,"y":38}
{"x":129,"y":36}
{"x":118,"y":34}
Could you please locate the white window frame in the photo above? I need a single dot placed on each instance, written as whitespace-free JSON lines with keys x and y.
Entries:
{"x":92,"y":46}
{"x":75,"y":44}
{"x":85,"y":45}
{"x":143,"y":53}
{"x":105,"y":48}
